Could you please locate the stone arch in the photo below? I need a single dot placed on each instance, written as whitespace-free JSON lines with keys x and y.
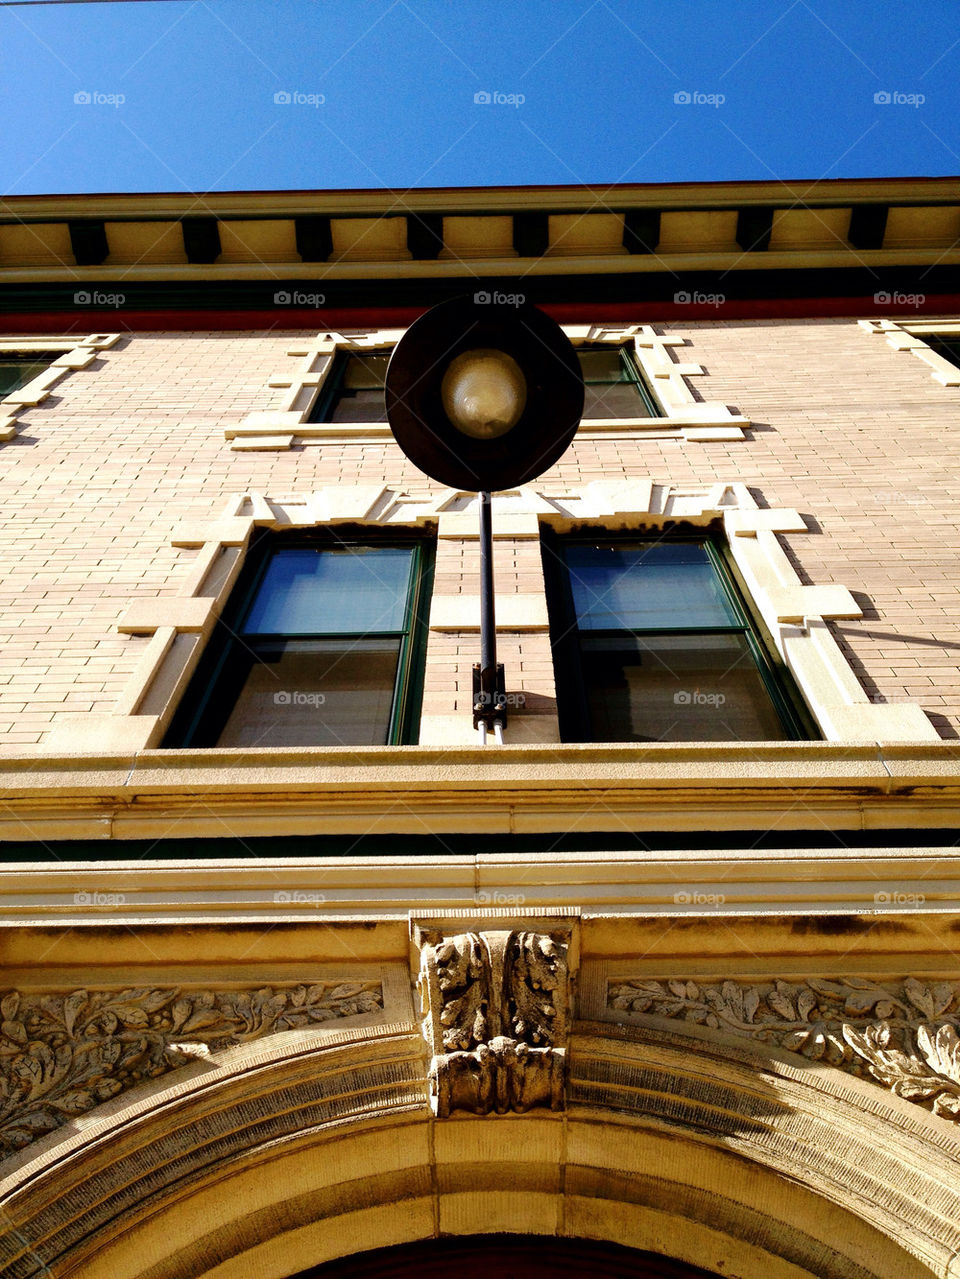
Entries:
{"x":280,"y":1155}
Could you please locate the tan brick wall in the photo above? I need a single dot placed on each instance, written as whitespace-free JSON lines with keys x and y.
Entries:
{"x":856,"y":436}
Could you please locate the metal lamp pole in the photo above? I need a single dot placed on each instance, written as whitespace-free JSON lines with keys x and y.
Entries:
{"x":489,"y":691}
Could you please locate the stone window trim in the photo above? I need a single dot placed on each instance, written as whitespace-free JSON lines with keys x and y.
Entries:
{"x":908,"y":335}
{"x":79,"y":354}
{"x":684,"y":417}
{"x":796,"y":615}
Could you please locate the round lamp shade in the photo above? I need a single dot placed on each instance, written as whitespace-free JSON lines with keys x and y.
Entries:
{"x":483,"y":397}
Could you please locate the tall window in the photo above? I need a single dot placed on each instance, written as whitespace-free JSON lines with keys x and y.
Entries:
{"x":17,"y":370}
{"x":653,"y":642}
{"x":354,"y":390}
{"x":613,"y":384}
{"x":322,"y":646}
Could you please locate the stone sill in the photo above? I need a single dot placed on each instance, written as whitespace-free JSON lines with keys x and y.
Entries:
{"x":874,"y":767}
{"x":528,"y":790}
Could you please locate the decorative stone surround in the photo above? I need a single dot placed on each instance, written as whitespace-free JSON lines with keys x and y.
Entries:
{"x":180,"y":625}
{"x":79,"y":356}
{"x":901,"y":1034}
{"x":794,"y":613}
{"x":908,"y":335}
{"x":62,"y":1053}
{"x":684,"y":417}
{"x":495,"y":1014}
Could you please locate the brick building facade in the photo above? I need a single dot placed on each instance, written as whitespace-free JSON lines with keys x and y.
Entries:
{"x":235,"y":975}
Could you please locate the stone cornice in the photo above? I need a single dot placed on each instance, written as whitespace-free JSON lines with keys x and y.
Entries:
{"x":507,"y":231}
{"x":692,"y":884}
{"x":709,"y":195}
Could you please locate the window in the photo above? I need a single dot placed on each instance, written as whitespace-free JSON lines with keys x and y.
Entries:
{"x":323,"y":646}
{"x":613,"y":385}
{"x":17,"y":370}
{"x":354,"y":390}
{"x":653,"y":642}
{"x":947,"y":345}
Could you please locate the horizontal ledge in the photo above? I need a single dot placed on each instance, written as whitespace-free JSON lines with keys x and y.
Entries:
{"x":506,"y":267}
{"x":486,"y":778}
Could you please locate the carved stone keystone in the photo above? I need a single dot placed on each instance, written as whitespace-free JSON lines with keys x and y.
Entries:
{"x":495,"y":1010}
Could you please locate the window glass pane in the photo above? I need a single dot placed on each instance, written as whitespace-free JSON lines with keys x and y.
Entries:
{"x":662,"y":688}
{"x":655,"y":587}
{"x":315,"y":693}
{"x":16,"y":373}
{"x":603,"y":365}
{"x":360,"y":394}
{"x":613,"y":399}
{"x":365,"y":372}
{"x":333,"y":591}
{"x":360,"y":406}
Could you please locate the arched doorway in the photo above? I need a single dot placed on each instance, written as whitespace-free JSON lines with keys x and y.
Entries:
{"x":324,"y":1151}
{"x":506,"y":1257}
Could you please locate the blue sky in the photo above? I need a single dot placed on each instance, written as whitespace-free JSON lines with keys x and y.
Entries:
{"x":219,"y":95}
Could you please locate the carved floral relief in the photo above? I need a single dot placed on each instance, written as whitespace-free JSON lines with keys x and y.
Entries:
{"x":901,"y":1034}
{"x":63,"y":1054}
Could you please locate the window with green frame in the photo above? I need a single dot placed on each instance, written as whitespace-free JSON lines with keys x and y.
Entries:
{"x":653,"y":641}
{"x":945,"y":344}
{"x":353,"y":392}
{"x":322,"y":644}
{"x":18,"y":369}
{"x":614,"y":386}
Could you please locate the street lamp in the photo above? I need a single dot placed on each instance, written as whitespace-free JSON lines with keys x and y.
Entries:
{"x":484,"y":396}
